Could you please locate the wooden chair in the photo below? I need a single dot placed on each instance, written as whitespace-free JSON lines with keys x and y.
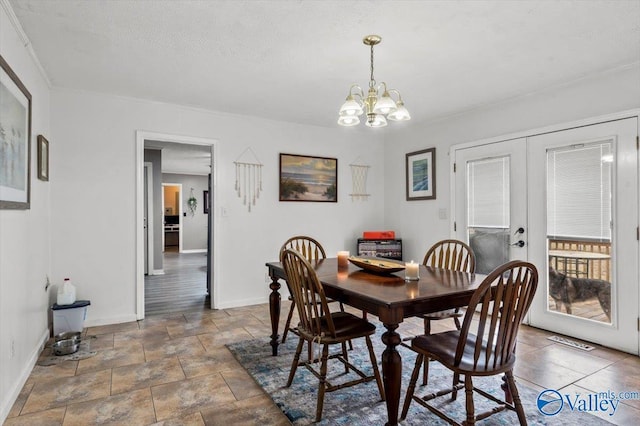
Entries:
{"x":311,"y":250}
{"x":318,"y":325}
{"x":489,"y":350}
{"x":456,"y":256}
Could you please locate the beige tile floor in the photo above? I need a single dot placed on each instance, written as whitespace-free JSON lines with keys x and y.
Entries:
{"x":175,"y":369}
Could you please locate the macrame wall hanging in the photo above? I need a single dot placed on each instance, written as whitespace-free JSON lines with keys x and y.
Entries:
{"x":248,"y":178}
{"x":359,"y":174}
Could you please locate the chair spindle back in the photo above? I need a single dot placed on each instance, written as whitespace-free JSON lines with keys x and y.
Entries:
{"x":451,"y":254}
{"x":308,"y":294}
{"x":511,"y":288}
{"x":309,"y":248}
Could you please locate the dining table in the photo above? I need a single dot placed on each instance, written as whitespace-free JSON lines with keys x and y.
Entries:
{"x":389,"y":297}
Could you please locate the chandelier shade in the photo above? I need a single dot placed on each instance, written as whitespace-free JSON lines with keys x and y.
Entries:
{"x":377,"y":108}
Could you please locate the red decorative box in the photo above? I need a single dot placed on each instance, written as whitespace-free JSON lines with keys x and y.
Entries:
{"x":379,"y":235}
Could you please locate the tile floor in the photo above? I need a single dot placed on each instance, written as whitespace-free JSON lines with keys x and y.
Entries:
{"x":175,"y":369}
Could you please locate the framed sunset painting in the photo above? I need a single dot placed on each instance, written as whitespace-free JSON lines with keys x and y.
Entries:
{"x":306,"y":178}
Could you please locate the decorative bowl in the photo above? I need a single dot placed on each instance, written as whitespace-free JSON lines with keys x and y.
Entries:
{"x":66,"y":347}
{"x":377,"y":265}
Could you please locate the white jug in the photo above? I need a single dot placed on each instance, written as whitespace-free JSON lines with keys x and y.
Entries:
{"x":66,"y":293}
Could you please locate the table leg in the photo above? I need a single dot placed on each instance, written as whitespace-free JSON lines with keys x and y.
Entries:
{"x":274,"y":310}
{"x":391,"y":372}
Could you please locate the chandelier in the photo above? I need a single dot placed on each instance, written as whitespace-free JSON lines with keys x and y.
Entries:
{"x":378,"y":110}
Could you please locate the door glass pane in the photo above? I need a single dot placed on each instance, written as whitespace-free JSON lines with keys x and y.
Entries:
{"x":579,"y":200}
{"x":488,"y":213}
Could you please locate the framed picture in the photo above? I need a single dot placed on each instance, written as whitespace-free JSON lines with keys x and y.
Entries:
{"x":421,"y":175}
{"x":43,"y":158}
{"x":305,"y":178}
{"x":15,"y":141}
{"x":205,"y":204}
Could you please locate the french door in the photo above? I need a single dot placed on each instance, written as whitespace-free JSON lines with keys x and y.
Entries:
{"x":491,"y":202}
{"x":567,"y":201}
{"x":583,"y":197}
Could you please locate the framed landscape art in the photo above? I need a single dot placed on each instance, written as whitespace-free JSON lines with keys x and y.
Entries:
{"x":305,"y":178}
{"x":15,"y":140}
{"x":421,"y":175}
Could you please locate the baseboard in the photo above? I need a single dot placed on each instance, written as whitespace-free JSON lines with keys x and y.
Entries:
{"x":244,"y":302}
{"x":14,"y":392}
{"x":194,"y":251}
{"x":108,"y":321}
{"x":157,"y":272}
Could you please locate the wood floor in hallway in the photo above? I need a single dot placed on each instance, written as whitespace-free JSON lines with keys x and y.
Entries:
{"x":183,"y":286}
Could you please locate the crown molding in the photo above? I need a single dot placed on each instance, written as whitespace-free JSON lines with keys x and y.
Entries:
{"x":15,"y":22}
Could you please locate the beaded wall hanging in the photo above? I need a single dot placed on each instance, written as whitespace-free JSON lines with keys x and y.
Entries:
{"x":248,"y":178}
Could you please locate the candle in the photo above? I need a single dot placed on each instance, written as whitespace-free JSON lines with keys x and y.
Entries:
{"x":411,"y":271}
{"x":342,"y":259}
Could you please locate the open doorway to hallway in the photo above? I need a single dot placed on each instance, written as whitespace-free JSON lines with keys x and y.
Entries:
{"x":178,"y":220}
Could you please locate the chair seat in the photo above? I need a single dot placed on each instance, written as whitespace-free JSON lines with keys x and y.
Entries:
{"x":442,"y":347}
{"x":347,"y":327}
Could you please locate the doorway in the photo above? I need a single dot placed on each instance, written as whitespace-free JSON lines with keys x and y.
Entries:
{"x":564,"y":200}
{"x":172,"y":214}
{"x":208,"y":253}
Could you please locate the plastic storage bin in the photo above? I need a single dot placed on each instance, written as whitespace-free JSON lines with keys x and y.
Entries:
{"x":69,"y":317}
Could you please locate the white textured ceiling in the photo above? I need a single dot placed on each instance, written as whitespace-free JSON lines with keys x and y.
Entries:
{"x":295,"y":60}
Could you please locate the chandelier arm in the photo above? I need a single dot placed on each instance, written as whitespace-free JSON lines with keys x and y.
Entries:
{"x":383,"y":85}
{"x":390,"y":91}
{"x":359,"y":92}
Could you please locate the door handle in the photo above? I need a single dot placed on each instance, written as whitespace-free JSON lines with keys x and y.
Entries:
{"x":519,"y":231}
{"x":518,"y":243}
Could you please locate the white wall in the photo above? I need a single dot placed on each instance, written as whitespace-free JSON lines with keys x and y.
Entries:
{"x":417,"y":221}
{"x":24,"y":240}
{"x":95,"y":171}
{"x":194,"y":228}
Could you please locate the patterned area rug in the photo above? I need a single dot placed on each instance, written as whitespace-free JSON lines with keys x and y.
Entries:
{"x":361,"y":404}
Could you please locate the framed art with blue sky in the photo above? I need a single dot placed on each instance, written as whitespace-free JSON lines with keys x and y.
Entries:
{"x":421,"y":175}
{"x":307,"y":178}
{"x":15,"y":140}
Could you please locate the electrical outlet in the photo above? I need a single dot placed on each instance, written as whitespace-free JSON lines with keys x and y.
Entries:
{"x":13,"y":349}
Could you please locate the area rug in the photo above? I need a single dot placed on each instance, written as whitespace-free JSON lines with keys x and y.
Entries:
{"x":361,"y":404}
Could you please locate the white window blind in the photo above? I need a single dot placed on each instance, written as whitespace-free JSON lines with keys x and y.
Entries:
{"x":488,"y":193}
{"x":579,"y":191}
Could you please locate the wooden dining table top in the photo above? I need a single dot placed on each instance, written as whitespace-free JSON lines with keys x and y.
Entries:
{"x":436,"y":289}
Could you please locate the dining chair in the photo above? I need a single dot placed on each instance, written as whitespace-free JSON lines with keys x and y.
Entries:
{"x":312,"y":250}
{"x":456,"y":256}
{"x":319,"y":325}
{"x":482,"y":348}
